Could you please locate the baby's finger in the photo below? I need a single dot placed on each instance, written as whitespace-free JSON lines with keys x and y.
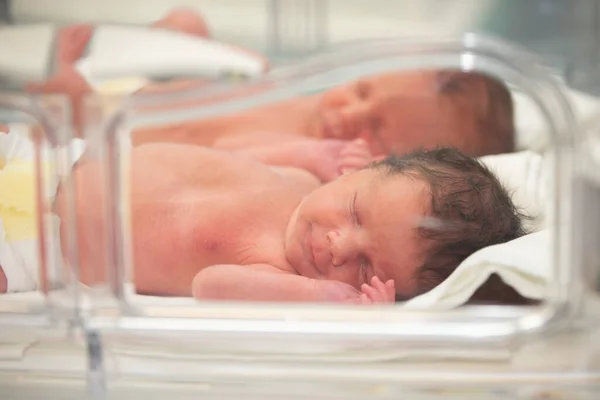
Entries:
{"x":350,"y":153}
{"x":378,"y":284}
{"x":390,"y":290}
{"x":354,"y":161}
{"x":374,"y":294}
{"x":371,"y":292}
{"x":360,"y":142}
{"x":387,"y":290}
{"x":352,"y":149}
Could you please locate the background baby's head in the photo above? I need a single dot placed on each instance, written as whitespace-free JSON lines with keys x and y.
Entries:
{"x":480,"y":109}
{"x":397,"y":113}
{"x":469,"y":210}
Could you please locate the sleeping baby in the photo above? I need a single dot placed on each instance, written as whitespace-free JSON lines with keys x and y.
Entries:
{"x":216,"y":225}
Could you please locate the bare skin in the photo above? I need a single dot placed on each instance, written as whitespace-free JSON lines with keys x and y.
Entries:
{"x":323,"y":158}
{"x":391,"y":113}
{"x":220,"y":226}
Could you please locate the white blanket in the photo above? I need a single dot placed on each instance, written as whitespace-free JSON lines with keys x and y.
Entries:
{"x":120,"y":55}
{"x":124,"y":54}
{"x":525,"y":264}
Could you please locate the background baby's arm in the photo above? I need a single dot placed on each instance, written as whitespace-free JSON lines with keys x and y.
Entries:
{"x":266,"y":283}
{"x":301,"y":153}
{"x":326,"y":159}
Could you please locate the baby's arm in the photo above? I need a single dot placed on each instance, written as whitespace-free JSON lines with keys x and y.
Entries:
{"x":266,"y":283}
{"x":298,"y":154}
{"x":326,"y":159}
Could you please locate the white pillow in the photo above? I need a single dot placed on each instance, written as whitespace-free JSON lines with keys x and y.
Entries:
{"x":532,"y":129}
{"x":524,"y":263}
{"x":526,"y":176}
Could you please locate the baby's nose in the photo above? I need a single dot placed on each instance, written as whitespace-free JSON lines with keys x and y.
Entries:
{"x":341,"y":248}
{"x":355,"y":113}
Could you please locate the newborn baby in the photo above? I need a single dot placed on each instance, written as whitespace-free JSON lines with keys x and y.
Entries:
{"x":216,"y":225}
{"x":391,"y":113}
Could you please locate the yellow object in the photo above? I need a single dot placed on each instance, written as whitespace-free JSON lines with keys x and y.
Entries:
{"x":111,"y":93}
{"x":17,"y":199}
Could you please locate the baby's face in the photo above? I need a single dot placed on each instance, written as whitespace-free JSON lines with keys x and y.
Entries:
{"x":393,"y":113}
{"x":359,"y":226}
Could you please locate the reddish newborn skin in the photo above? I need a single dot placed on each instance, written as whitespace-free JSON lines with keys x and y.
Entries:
{"x":395,"y":112}
{"x":217,"y":225}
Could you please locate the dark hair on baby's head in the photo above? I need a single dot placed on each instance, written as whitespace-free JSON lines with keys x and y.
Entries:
{"x":469,"y":210}
{"x":488,"y":102}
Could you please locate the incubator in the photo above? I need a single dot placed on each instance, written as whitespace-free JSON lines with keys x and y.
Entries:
{"x":107,"y":159}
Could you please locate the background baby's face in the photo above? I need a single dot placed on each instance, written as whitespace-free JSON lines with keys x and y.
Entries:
{"x":393,"y":113}
{"x":359,"y":226}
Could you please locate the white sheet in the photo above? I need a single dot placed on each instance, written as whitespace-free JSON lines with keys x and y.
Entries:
{"x":525,"y":264}
{"x":143,"y":54}
{"x":533,"y":131}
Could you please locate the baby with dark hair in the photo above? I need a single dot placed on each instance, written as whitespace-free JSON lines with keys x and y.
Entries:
{"x":215,"y":225}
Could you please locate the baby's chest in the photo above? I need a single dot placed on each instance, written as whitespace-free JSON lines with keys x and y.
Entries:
{"x":213,"y":230}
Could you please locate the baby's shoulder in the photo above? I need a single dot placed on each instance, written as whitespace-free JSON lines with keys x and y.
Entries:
{"x":300,"y":179}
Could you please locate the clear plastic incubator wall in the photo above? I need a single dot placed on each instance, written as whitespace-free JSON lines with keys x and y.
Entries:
{"x":300,"y":199}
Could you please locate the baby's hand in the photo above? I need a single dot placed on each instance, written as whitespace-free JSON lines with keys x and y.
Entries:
{"x":378,"y":292}
{"x":335,"y":157}
{"x":336,"y":291}
{"x":354,"y":156}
